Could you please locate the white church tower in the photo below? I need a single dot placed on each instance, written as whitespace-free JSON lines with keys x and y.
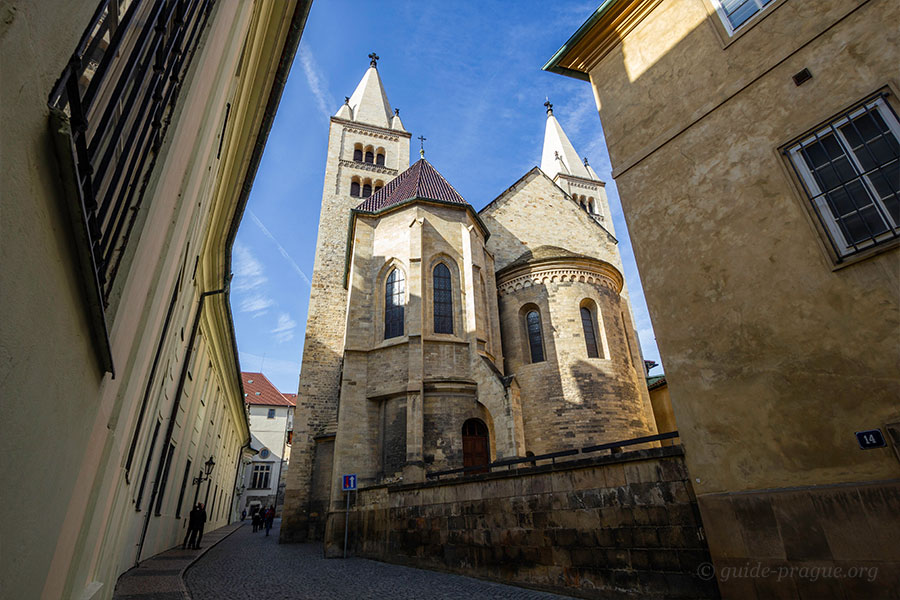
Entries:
{"x":367,"y":147}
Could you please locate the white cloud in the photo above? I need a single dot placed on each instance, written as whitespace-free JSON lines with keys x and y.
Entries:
{"x":316,"y":80}
{"x":284,"y":331}
{"x":256,"y":304}
{"x":248,"y":271}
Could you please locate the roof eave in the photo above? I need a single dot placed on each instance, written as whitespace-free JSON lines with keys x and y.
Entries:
{"x":552,"y":65}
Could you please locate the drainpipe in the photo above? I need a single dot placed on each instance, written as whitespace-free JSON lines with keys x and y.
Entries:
{"x":171,"y":425}
{"x":237,"y":471}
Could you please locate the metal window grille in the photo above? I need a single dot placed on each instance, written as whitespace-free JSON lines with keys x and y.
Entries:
{"x":117,"y":93}
{"x":735,"y":13}
{"x":850,"y":170}
{"x":535,"y":337}
{"x":164,"y":480}
{"x":587,"y":323}
{"x":184,"y":481}
{"x":443,"y":299}
{"x":394,"y":300}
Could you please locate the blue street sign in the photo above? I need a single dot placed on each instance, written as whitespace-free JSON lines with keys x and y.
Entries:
{"x":348,"y":482}
{"x":870,"y":439}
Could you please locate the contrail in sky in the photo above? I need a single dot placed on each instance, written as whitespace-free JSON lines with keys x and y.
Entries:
{"x":281,"y":249}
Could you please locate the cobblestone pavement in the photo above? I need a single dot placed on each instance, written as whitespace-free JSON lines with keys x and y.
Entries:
{"x":250,"y":565}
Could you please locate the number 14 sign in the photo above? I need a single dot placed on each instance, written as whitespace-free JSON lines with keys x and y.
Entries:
{"x":348,"y":482}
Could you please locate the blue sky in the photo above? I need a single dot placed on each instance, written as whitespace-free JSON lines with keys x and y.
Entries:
{"x":468,"y":77}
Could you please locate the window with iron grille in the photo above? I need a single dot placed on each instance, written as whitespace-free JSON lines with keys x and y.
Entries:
{"x":590,"y":339}
{"x":111,"y":108}
{"x":535,"y":336}
{"x":394,"y":300}
{"x":443,"y":299}
{"x":259,"y":479}
{"x":734,"y":13}
{"x":850,"y":170}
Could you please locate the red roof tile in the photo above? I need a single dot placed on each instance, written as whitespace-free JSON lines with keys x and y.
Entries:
{"x":292,"y":398}
{"x":421,"y":180}
{"x":259,"y":390}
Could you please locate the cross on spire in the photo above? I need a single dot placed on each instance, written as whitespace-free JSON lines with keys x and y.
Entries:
{"x":422,"y":139}
{"x":549,"y":107}
{"x":373,"y":59}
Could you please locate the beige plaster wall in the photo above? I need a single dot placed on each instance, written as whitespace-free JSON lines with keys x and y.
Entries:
{"x":81,"y":529}
{"x":774,"y":358}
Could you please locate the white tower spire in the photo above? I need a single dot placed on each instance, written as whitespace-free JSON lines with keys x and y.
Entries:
{"x":369,"y":103}
{"x":559,"y":156}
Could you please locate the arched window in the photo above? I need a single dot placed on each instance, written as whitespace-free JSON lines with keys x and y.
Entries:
{"x":366,"y":190}
{"x":443,"y":299}
{"x":354,"y":189}
{"x":583,"y":207}
{"x":370,"y":156}
{"x":357,"y":154}
{"x":535,"y":337}
{"x":590,"y":205}
{"x":394,"y":297}
{"x":379,"y":159}
{"x":590,"y":338}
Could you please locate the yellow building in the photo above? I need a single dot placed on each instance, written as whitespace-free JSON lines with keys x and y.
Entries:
{"x":131,"y":136}
{"x":755,"y":148}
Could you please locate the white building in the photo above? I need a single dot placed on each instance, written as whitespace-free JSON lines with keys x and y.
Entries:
{"x":271,"y":416}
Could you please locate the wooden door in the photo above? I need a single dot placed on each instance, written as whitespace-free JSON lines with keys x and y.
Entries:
{"x":476,"y":450}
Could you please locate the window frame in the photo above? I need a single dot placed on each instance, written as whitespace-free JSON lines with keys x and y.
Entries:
{"x":731,"y":29}
{"x":448,"y":316}
{"x":260,"y":469}
{"x":814,"y":199}
{"x":270,"y":414}
{"x":592,"y":322}
{"x":399,"y":308}
{"x":528,"y":335}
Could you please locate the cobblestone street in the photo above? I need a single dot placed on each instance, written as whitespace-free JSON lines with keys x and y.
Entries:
{"x":250,"y":565}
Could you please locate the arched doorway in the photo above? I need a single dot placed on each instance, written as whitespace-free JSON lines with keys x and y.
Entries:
{"x":476,"y":446}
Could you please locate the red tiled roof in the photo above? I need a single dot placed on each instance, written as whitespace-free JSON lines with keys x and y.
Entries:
{"x":292,"y":398}
{"x":421,"y":180}
{"x":259,"y":390}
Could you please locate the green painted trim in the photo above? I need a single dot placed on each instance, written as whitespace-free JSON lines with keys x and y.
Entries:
{"x":553,"y":64}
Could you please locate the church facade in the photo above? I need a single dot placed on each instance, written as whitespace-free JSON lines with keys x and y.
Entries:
{"x":440,"y":336}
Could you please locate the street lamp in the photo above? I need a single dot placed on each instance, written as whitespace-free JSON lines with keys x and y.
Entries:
{"x":204,"y":476}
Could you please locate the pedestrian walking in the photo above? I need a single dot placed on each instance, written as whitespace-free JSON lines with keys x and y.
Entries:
{"x":270,"y":516}
{"x":243,"y":514}
{"x":254,"y":518}
{"x":201,"y":522}
{"x":190,"y":538}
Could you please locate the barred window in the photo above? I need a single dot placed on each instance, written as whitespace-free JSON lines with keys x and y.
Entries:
{"x":535,"y":337}
{"x":850,"y":172}
{"x":394,"y":298}
{"x":590,"y":339}
{"x":735,"y":13}
{"x":260,"y":476}
{"x":117,"y":94}
{"x":443,"y":299}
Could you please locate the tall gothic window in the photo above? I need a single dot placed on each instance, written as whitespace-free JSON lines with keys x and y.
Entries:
{"x":535,"y":337}
{"x":443,"y":300}
{"x":590,"y":339}
{"x":394,"y":296}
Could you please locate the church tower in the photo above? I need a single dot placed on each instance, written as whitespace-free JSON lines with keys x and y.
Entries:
{"x":367,"y":148}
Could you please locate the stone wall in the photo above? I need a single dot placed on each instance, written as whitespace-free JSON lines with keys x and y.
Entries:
{"x":623,"y":526}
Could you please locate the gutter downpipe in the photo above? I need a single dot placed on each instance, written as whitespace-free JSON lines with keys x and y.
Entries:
{"x":170,"y":427}
{"x":237,"y":470}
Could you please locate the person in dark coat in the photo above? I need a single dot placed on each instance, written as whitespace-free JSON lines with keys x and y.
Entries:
{"x":190,"y":538}
{"x":254,"y":518}
{"x":270,"y":516}
{"x":201,"y":522}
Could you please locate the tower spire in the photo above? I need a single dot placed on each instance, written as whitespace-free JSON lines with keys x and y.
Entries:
{"x":422,"y":139}
{"x":559,"y":155}
{"x":368,"y":103}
